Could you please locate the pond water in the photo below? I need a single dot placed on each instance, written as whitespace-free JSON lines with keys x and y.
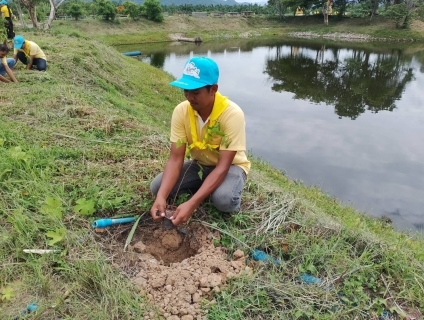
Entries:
{"x":348,"y":117}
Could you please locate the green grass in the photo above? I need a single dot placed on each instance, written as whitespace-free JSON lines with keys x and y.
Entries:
{"x":127,"y":31}
{"x":95,"y":127}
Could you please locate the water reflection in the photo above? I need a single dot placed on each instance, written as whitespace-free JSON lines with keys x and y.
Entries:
{"x":300,"y":96}
{"x":351,"y":80}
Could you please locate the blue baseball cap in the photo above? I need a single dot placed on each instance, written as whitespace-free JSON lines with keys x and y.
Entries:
{"x":3,"y":2}
{"x":18,"y":41}
{"x":198,"y":72}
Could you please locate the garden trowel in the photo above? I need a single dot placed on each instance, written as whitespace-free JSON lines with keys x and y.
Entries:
{"x":167,"y":223}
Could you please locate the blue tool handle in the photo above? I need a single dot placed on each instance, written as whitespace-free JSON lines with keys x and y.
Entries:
{"x":103,"y":223}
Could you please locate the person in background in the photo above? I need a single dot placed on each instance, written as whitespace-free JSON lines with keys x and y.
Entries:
{"x":6,"y":64}
{"x":8,"y":15}
{"x":212,"y":128}
{"x":29,"y":53}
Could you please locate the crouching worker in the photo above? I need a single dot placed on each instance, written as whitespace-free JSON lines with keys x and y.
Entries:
{"x":6,"y":64}
{"x":213,"y":129}
{"x":29,"y":53}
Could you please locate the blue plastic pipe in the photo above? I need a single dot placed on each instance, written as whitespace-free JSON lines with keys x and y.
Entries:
{"x":307,"y":278}
{"x":103,"y":223}
{"x":30,"y":308}
{"x":132,"y":53}
{"x":259,"y":255}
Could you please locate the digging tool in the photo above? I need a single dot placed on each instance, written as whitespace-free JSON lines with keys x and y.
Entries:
{"x":167,"y":223}
{"x":103,"y":223}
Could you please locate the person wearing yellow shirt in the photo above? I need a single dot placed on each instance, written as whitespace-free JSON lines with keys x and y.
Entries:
{"x":6,"y":64}
{"x":212,"y":128}
{"x":29,"y":53}
{"x":8,"y":15}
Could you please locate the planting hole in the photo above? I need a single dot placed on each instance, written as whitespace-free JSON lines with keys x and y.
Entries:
{"x":176,"y":269}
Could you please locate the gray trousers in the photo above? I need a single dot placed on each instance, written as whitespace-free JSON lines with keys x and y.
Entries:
{"x":226,"y":198}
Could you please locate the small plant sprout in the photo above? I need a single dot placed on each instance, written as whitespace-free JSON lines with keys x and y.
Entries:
{"x":52,"y":207}
{"x":85,"y":207}
{"x":7,"y":294}
{"x":56,"y":236}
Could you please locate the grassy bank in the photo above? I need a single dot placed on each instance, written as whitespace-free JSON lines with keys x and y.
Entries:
{"x":126,"y":31}
{"x":92,"y":132}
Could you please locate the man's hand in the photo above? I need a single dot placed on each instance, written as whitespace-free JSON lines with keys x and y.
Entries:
{"x":3,"y":79}
{"x":30,"y":62}
{"x":183,"y":213}
{"x":158,"y":206}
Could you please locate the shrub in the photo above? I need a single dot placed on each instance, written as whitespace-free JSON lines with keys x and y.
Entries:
{"x":75,"y":10}
{"x":420,"y":12}
{"x":360,"y":10}
{"x":42,"y":12}
{"x":401,"y":14}
{"x":132,"y":9}
{"x":153,"y":10}
{"x":107,"y":9}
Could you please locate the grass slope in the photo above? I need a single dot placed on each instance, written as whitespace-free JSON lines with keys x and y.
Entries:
{"x":126,"y":31}
{"x":93,"y":131}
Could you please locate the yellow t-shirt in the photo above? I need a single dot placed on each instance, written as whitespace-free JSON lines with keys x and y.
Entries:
{"x":5,"y":11}
{"x":4,"y":61}
{"x":232,"y":124}
{"x":31,"y":49}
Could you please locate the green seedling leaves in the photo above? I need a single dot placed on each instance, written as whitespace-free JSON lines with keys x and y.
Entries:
{"x":17,"y":154}
{"x":56,"y":236}
{"x":7,"y":294}
{"x":180,"y":142}
{"x":225,"y":141}
{"x":216,"y":130}
{"x":1,"y":142}
{"x":307,"y":267}
{"x":85,"y":207}
{"x":200,"y":173}
{"x":52,"y":207}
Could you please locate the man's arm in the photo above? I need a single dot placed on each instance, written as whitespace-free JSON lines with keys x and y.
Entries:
{"x":170,"y":177}
{"x":31,"y":60}
{"x":213,"y":181}
{"x":10,"y":73}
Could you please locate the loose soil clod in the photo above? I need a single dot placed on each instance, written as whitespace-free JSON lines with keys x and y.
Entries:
{"x":171,"y":240}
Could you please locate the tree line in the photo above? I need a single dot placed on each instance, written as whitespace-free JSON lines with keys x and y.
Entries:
{"x":48,"y":10}
{"x":189,"y":8}
{"x":403,"y":12}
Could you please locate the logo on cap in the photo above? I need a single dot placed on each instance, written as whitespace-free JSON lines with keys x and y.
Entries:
{"x":191,"y":70}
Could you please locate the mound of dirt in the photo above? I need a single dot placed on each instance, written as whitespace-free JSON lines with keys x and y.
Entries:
{"x":180,"y":268}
